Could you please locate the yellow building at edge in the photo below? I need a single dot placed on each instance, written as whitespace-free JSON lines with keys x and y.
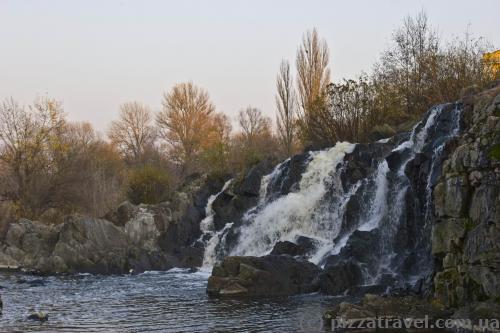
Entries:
{"x":492,"y":59}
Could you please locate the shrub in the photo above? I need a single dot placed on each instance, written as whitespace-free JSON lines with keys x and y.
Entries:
{"x":149,"y":185}
{"x":495,"y":152}
{"x":382,"y":132}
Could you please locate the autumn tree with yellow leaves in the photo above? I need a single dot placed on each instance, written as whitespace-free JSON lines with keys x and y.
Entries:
{"x":184,"y":123}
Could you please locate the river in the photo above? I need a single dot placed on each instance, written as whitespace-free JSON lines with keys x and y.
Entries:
{"x":172,"y":301}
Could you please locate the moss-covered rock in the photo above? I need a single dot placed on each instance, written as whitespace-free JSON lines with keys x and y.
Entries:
{"x":466,"y":233}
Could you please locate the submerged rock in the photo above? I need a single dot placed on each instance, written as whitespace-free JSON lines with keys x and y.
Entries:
{"x":262,"y":276}
{"x":39,"y":316}
{"x":32,"y":283}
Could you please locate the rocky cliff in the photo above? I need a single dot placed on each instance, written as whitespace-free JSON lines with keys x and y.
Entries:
{"x":131,"y":238}
{"x":466,"y":233}
{"x":416,"y":214}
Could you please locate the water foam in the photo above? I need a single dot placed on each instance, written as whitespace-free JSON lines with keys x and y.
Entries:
{"x":301,"y":213}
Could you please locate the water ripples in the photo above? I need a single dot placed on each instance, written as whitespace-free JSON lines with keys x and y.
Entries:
{"x":173,"y":301}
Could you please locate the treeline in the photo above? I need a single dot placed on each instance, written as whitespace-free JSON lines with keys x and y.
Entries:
{"x":417,"y":71}
{"x":50,"y":166}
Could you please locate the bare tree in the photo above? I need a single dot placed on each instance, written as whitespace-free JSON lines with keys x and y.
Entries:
{"x":313,"y":74}
{"x":185,"y":122}
{"x":286,"y":107}
{"x":254,"y":142}
{"x":26,"y":134}
{"x":253,"y":123}
{"x":133,"y":132}
{"x":411,"y":64}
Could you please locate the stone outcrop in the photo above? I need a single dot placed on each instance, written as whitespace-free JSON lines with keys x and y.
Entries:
{"x":464,"y":242}
{"x":466,"y":234}
{"x":131,"y":238}
{"x":301,"y":247}
{"x":375,"y":307}
{"x":272,"y":275}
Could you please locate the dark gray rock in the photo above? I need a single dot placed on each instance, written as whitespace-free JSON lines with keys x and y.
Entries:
{"x":262,"y":276}
{"x":38,"y":316}
{"x":122,"y":214}
{"x":302,"y":247}
{"x":465,"y":234}
{"x":138,"y":238}
{"x":250,"y":185}
{"x":339,"y":278}
{"x":286,"y":247}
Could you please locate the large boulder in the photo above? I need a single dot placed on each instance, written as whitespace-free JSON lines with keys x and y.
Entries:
{"x":339,"y":278}
{"x":374,"y":307}
{"x":262,"y":276}
{"x":89,"y":245}
{"x":28,"y":243}
{"x":302,"y":247}
{"x":122,"y":214}
{"x":243,"y":194}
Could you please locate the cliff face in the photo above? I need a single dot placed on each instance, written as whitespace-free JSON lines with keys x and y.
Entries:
{"x":416,"y":214}
{"x":138,"y":238}
{"x":466,"y":232}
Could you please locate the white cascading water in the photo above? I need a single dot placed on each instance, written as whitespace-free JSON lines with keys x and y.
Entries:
{"x":378,"y":205}
{"x":317,"y":207}
{"x":414,"y":144}
{"x":208,"y":229}
{"x":266,"y":180}
{"x":298,"y":213}
{"x":436,"y":160}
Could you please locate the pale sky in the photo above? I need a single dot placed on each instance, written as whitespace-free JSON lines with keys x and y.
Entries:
{"x":96,"y":55}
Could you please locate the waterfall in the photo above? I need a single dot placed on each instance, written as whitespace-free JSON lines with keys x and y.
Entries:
{"x":209,"y":236}
{"x":378,"y":205}
{"x":300,"y":213}
{"x":389,"y":206}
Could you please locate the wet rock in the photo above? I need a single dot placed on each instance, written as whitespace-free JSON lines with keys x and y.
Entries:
{"x":262,"y":276}
{"x":285,"y":247}
{"x":251,"y":182}
{"x":363,"y":161}
{"x":39,"y":316}
{"x":32,"y":283}
{"x":289,"y":180}
{"x":394,"y":160}
{"x":243,"y":194}
{"x":337,"y":279}
{"x":374,"y":307}
{"x":302,"y":247}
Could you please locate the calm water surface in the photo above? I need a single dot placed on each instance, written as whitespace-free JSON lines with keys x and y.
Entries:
{"x":173,"y":301}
